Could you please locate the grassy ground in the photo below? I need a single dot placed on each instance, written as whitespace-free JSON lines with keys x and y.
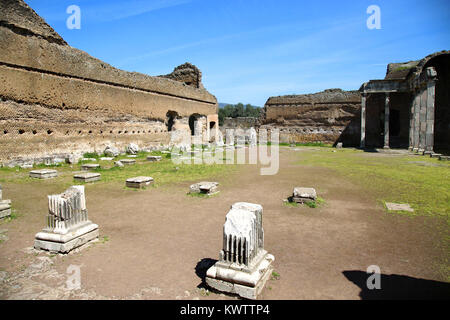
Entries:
{"x":163,"y":172}
{"x":421,"y":181}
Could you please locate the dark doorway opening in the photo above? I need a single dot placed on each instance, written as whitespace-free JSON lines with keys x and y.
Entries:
{"x":394,"y":122}
{"x":171,"y":116}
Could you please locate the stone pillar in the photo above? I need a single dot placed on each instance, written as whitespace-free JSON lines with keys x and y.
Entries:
{"x":422,"y":119}
{"x":430,"y":109}
{"x":244,"y":266}
{"x":68,"y":226}
{"x":363,"y":121}
{"x":416,"y":120}
{"x":411,"y":125}
{"x":386,"y":121}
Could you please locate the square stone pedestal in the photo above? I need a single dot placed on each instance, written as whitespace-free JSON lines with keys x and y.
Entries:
{"x":139,"y":182}
{"x":87,"y":176}
{"x":235,"y":279}
{"x":128,"y":162}
{"x":154,"y":158}
{"x":5,"y":209}
{"x":43,"y":174}
{"x":90,"y":166}
{"x":64,"y":243}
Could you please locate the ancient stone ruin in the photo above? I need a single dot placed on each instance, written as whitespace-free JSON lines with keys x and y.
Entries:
{"x":206,"y":188}
{"x":329,"y":116}
{"x":139,"y":182}
{"x":302,"y":195}
{"x":244,"y":266}
{"x":87,"y":176}
{"x":56,"y":99}
{"x":68,"y":226}
{"x":43,"y":174}
{"x":5,"y":205}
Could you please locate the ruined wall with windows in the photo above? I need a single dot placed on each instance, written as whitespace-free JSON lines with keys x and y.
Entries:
{"x":58,"y":99}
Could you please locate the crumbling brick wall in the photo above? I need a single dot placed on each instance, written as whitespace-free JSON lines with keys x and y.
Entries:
{"x":330,"y":116}
{"x":55,"y":98}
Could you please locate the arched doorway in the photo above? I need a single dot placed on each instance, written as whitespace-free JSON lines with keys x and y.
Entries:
{"x":171,"y":117}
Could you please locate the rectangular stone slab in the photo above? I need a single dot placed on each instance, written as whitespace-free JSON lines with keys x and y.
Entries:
{"x":154,"y":158}
{"x":139,"y":182}
{"x":246,"y":285}
{"x":5,"y":210}
{"x":43,"y":174}
{"x":128,"y":161}
{"x":65,"y":243}
{"x":90,"y":166}
{"x":87,"y":176}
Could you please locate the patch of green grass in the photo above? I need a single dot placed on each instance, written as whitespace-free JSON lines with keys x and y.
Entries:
{"x":275,"y":275}
{"x":104,"y":239}
{"x":422,"y":182}
{"x":290,"y":204}
{"x":315,"y":203}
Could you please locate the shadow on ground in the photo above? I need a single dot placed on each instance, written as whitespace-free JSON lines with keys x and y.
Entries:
{"x":398,"y":287}
{"x":201,"y":268}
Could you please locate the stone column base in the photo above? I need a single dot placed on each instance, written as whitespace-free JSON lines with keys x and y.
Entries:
{"x":246,"y":285}
{"x":64,"y":243}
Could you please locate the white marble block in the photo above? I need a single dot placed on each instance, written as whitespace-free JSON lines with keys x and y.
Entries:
{"x":204,"y":187}
{"x":244,"y":266}
{"x":68,"y":226}
{"x":43,"y":173}
{"x":139,"y":182}
{"x":302,"y":195}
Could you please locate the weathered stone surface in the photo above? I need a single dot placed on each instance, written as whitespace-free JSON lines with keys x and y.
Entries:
{"x":111,"y":151}
{"x":43,"y":173}
{"x":118,"y":164}
{"x":68,"y":226}
{"x":253,"y":141}
{"x":444,"y":158}
{"x":302,"y":195}
{"x":154,"y":158}
{"x":81,"y":103}
{"x":87,"y":176}
{"x":339,"y":145}
{"x":132,"y":148}
{"x":324,"y":116}
{"x":90,"y":166}
{"x":139,"y":182}
{"x":204,"y":187}
{"x":5,"y":210}
{"x":435,"y":155}
{"x":128,"y":162}
{"x":399,"y":207}
{"x":106,"y":158}
{"x":244,"y":266}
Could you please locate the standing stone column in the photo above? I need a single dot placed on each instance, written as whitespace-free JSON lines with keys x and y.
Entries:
{"x":431,"y":89}
{"x":363,"y":121}
{"x":416,"y":119}
{"x":411,"y":126}
{"x":386,"y":121}
{"x":422,"y":120}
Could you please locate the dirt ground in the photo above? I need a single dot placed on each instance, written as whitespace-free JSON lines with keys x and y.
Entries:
{"x":157,"y":243}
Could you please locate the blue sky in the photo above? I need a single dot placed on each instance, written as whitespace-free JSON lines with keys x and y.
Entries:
{"x":249,"y":50}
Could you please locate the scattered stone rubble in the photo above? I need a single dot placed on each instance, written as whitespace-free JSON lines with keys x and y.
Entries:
{"x":90,"y":166}
{"x":154,"y":158}
{"x":244,"y":266}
